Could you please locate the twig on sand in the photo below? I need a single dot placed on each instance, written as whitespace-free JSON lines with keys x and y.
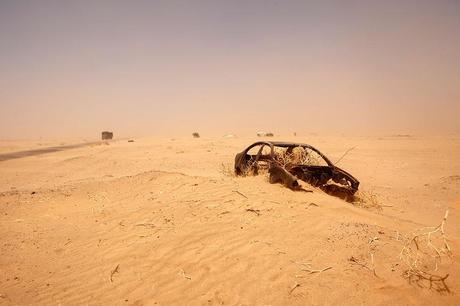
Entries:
{"x":297,"y":285}
{"x":113,"y":272}
{"x":182,"y":272}
{"x":311,"y":271}
{"x":356,"y":261}
{"x":241,"y":194}
{"x":373,"y":239}
{"x":256,"y":211}
{"x":146,"y":224}
{"x":307,"y":268}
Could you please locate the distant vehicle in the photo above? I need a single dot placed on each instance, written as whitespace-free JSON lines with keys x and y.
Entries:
{"x":300,"y":160}
{"x":107,"y":135}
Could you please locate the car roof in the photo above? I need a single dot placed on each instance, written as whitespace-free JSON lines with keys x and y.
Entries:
{"x":287,"y":144}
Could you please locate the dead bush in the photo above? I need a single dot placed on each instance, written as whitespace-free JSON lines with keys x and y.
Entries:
{"x":298,"y":156}
{"x":423,"y":253}
{"x":367,"y":199}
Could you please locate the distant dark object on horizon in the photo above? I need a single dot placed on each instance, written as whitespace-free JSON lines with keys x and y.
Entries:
{"x":265,"y":134}
{"x":107,"y":135}
{"x":404,"y":135}
{"x":196,"y":135}
{"x":130,"y":140}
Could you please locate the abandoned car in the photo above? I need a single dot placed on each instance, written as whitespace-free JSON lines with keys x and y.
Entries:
{"x":286,"y":162}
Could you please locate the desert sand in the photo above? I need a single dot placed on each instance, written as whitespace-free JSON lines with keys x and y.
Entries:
{"x":163,"y":221}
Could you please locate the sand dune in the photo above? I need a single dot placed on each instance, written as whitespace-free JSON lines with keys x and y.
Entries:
{"x":162,"y":221}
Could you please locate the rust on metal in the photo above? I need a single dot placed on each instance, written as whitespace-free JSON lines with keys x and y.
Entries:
{"x":287,"y":162}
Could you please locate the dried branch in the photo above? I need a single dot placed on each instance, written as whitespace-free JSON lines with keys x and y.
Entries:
{"x":311,"y":271}
{"x":297,"y":285}
{"x":256,"y":211}
{"x":344,"y":154}
{"x":423,"y":253}
{"x":241,"y":194}
{"x":113,"y":272}
{"x":182,"y":272}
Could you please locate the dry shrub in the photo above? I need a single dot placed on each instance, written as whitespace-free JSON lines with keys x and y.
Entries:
{"x":367,"y":199}
{"x":281,"y":157}
{"x":261,"y":166}
{"x":227,"y":170}
{"x":298,"y":156}
{"x":423,"y":254}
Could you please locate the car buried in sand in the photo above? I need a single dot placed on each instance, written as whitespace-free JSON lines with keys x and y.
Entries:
{"x":286,"y":162}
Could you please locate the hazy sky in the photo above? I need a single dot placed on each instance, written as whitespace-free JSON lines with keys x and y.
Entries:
{"x":158,"y":67}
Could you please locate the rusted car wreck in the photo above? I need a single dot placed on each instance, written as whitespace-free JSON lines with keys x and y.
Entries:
{"x":286,"y":162}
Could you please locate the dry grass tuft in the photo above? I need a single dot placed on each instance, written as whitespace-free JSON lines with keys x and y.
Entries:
{"x":227,"y":170}
{"x":367,"y":199}
{"x":297,"y":156}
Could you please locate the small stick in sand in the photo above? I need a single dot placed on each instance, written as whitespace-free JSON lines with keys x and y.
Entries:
{"x":316,"y":271}
{"x":256,"y":211}
{"x":356,"y":261}
{"x":241,"y":194}
{"x":185,"y":276}
{"x":146,"y":224}
{"x":297,"y":285}
{"x":113,"y":272}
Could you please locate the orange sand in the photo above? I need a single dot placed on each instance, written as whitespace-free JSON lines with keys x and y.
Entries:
{"x":159,"y":221}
